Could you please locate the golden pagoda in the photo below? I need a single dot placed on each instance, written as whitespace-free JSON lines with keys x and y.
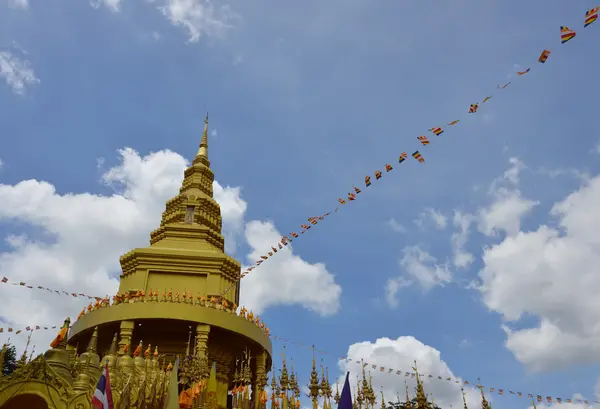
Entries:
{"x":177,"y":298}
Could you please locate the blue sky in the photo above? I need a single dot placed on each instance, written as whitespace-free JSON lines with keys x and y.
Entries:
{"x":306,"y":99}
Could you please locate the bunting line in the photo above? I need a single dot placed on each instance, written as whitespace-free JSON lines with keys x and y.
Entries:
{"x":5,"y":280}
{"x":499,"y":391}
{"x":382,"y":369}
{"x":566,"y":34}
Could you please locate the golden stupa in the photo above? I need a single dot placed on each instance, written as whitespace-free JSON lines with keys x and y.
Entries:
{"x":177,"y":298}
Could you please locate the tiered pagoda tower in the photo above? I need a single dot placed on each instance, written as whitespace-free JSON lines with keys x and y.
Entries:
{"x":177,"y":298}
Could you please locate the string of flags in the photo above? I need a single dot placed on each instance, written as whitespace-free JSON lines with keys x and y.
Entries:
{"x":382,"y":369}
{"x":412,"y":374}
{"x":566,"y":34}
{"x":27,"y":329}
{"x":283,"y":242}
{"x":5,"y":280}
{"x":500,"y":391}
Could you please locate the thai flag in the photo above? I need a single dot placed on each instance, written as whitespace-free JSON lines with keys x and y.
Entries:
{"x":102,"y":395}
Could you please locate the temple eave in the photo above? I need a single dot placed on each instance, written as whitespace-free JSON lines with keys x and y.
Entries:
{"x":184,"y":312}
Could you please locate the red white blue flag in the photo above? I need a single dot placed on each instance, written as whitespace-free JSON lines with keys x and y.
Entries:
{"x":103,"y":395}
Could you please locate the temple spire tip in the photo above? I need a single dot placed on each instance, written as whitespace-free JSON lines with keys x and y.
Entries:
{"x":203,"y":149}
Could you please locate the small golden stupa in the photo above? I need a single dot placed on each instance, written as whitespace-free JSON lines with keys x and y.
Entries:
{"x":177,"y":298}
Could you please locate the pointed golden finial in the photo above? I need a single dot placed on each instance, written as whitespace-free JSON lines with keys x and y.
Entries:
{"x":533,"y":403}
{"x":382,"y":400}
{"x":484,"y":403}
{"x":112,"y":350}
{"x":93,"y":344}
{"x":203,"y":149}
{"x":421,"y":398}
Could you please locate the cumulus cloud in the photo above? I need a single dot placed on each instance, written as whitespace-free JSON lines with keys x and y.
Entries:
{"x":18,"y":4}
{"x":417,"y":267}
{"x":286,"y":278}
{"x":112,"y":5}
{"x":396,"y":226}
{"x":460,"y":257}
{"x":504,"y":214}
{"x":199,"y":17}
{"x":17,"y":72}
{"x":73,"y":241}
{"x":432,"y":217}
{"x":400,"y":354}
{"x":549,"y":273}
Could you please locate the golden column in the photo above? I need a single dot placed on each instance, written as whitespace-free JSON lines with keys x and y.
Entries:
{"x":261,"y":377}
{"x":125,"y":335}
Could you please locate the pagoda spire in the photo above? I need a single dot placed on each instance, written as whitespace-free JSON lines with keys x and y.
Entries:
{"x":189,"y":240}
{"x":314,"y":385}
{"x":484,"y":402}
{"x":202,"y":155}
{"x":421,"y":398}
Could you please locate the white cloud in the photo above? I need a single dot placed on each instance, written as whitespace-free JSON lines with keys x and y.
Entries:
{"x":213,"y":133}
{"x":78,"y":237}
{"x":392,"y":287}
{"x":18,"y":4}
{"x":573,"y":173}
{"x":508,"y":208}
{"x":505,"y":214}
{"x":397,"y":227}
{"x":431,"y":215}
{"x":199,"y":17}
{"x":424,"y":268}
{"x":512,"y":175}
{"x":286,"y":278}
{"x":238,"y":59}
{"x":400,"y":354}
{"x":1,"y":164}
{"x":460,"y":257}
{"x":112,"y":5}
{"x":550,"y":273}
{"x":233,"y":209}
{"x":420,"y":267}
{"x":17,"y":72}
